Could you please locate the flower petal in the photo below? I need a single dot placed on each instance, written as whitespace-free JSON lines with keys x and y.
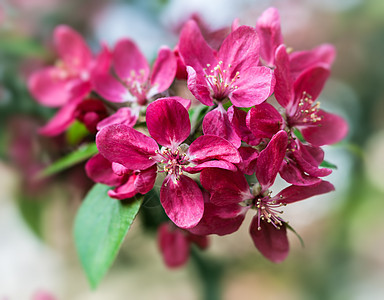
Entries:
{"x":124,"y":145}
{"x":270,"y":241}
{"x":145,"y":180}
{"x":129,"y":62}
{"x":168,"y":122}
{"x":72,"y":48}
{"x":296,"y":193}
{"x":221,"y":164}
{"x":293,"y":174}
{"x":331,"y":129}
{"x":110,"y":88}
{"x":198,"y":87}
{"x":208,"y":147}
{"x":173,"y":244}
{"x":99,"y":169}
{"x":270,"y":159}
{"x":237,"y":117}
{"x":255,"y":85}
{"x":123,"y":116}
{"x":284,"y":82}
{"x":249,"y":157}
{"x":269,"y":30}
{"x":125,"y":190}
{"x":216,"y":122}
{"x":48,"y":88}
{"x":264,"y":120}
{"x":182,"y":201}
{"x":164,"y":70}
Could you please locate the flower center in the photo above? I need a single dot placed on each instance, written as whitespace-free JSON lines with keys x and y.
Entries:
{"x":219,"y":80}
{"x":172,"y":162}
{"x":307,"y":111}
{"x":137,"y":85}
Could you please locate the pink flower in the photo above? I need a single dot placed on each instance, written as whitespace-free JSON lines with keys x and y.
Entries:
{"x":231,"y":72}
{"x":168,"y":124}
{"x":135,"y":83}
{"x":90,"y":112}
{"x":175,"y":243}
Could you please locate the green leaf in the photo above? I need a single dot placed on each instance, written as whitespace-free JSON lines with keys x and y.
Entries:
{"x":82,"y":153}
{"x":327,"y":164}
{"x":100,"y":228}
{"x":294,"y":231}
{"x":76,"y":133}
{"x":299,"y":135}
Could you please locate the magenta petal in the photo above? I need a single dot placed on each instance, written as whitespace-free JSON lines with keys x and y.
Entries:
{"x":240,"y":49}
{"x":284,"y":82}
{"x":237,"y":117}
{"x":102,"y":62}
{"x":185,"y":102}
{"x":126,"y":190}
{"x":270,"y":159}
{"x":249,"y":157}
{"x":126,"y":146}
{"x":268,"y":28}
{"x":164,"y":70}
{"x":270,"y":241}
{"x":198,"y":87}
{"x":173,"y":244}
{"x":47,"y":88}
{"x":207,"y":147}
{"x":331,"y":129}
{"x":264,"y":120}
{"x":216,"y":122}
{"x":145,"y":180}
{"x":62,"y":119}
{"x":302,"y":60}
{"x":123,"y":116}
{"x":194,"y":49}
{"x":110,"y":88}
{"x":291,"y":173}
{"x":220,"y":220}
{"x":168,"y":122}
{"x":99,"y":170}
{"x":296,"y":193}
{"x":221,"y":164}
{"x":129,"y":62}
{"x":72,"y":48}
{"x":255,"y":85}
{"x":182,"y":201}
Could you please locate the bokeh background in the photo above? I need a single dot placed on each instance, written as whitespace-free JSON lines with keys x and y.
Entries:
{"x":343,"y":256}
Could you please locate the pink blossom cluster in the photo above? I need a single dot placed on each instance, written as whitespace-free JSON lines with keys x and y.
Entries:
{"x":261,"y":119}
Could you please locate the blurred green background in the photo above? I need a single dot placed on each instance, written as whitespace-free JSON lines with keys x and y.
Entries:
{"x":343,"y":231}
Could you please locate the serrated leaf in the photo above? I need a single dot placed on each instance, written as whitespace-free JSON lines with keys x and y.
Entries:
{"x":101,"y":225}
{"x":294,"y":231}
{"x":82,"y":153}
{"x":327,"y":164}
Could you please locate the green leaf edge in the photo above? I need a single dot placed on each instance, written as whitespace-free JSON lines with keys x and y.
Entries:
{"x":295,"y":232}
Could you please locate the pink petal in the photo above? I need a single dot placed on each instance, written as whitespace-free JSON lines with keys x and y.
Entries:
{"x":110,"y":88}
{"x":296,"y":193}
{"x":284,"y":82}
{"x":182,"y":201}
{"x":168,"y":122}
{"x":185,"y":102}
{"x":194,"y":49}
{"x":264,"y":120}
{"x":72,"y":48}
{"x":221,"y":164}
{"x":173,"y":244}
{"x":125,"y":190}
{"x":293,"y":174}
{"x":126,"y":146}
{"x":269,"y":30}
{"x":145,"y":180}
{"x":302,"y":60}
{"x":62,"y":119}
{"x":129,"y":62}
{"x":208,"y":147}
{"x":270,"y":241}
{"x":123,"y":116}
{"x":331,"y":129}
{"x":240,"y":49}
{"x":270,"y":159}
{"x":99,"y":170}
{"x":216,"y":122}
{"x":119,"y":169}
{"x":237,"y":117}
{"x":255,"y":85}
{"x":249,"y":157}
{"x":164,"y":70}
{"x":48,"y":88}
{"x":220,"y":220}
{"x":102,"y":62}
{"x":198,"y":87}
{"x":225,"y":187}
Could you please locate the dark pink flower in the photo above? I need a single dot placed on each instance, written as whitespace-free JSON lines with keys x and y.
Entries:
{"x":90,"y":112}
{"x":175,"y":243}
{"x":232,"y":72}
{"x":168,"y":124}
{"x":135,"y":81}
